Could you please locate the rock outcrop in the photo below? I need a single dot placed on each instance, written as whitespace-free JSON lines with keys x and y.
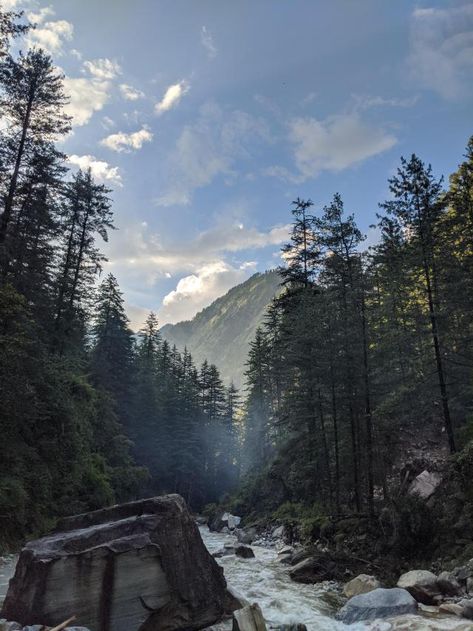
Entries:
{"x":379,"y":603}
{"x":136,"y":566}
{"x":422,"y":585}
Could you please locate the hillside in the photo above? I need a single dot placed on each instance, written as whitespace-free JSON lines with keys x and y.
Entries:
{"x":222,"y":331}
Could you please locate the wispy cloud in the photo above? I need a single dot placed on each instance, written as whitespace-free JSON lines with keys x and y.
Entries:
{"x":333,"y":144}
{"x":130,"y":93}
{"x":208,"y":42}
{"x":366,"y":102}
{"x":127,"y":142}
{"x":100,"y":169}
{"x":209,"y":148}
{"x":103,"y":69}
{"x":441,"y":50}
{"x":172,"y":96}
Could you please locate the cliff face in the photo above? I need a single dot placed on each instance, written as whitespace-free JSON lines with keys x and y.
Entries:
{"x":221,"y":333}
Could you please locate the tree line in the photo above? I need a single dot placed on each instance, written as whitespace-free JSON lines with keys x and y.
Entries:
{"x":366,"y":351}
{"x":83,"y":399}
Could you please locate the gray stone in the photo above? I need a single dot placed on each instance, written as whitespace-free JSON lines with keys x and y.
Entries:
{"x":361,"y":584}
{"x":133,"y":566}
{"x":448,"y":584}
{"x":452,"y":608}
{"x":422,"y":584}
{"x":245,"y":552}
{"x":292,"y":627}
{"x":279,"y":532}
{"x":469,"y":585}
{"x":249,"y":619}
{"x":232,"y":521}
{"x":425,"y":484}
{"x":245,"y":536}
{"x":6,"y":625}
{"x":467,"y":609}
{"x":463,"y":573}
{"x":379,"y":603}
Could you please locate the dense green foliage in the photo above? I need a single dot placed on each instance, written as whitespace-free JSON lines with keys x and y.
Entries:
{"x":364,"y":353}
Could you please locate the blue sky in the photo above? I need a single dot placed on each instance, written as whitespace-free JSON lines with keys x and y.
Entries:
{"x":207,"y":117}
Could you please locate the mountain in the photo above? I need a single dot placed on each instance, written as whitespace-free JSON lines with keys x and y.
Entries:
{"x":221,"y":332}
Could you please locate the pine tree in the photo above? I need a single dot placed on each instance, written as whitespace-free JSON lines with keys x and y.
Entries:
{"x":32,"y":100}
{"x":418,"y":207}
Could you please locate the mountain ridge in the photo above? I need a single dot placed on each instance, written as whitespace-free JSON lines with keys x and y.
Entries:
{"x":222,"y":332}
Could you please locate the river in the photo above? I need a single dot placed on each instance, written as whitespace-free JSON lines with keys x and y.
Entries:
{"x":264,"y":580}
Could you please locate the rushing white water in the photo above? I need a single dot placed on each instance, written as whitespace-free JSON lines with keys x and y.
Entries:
{"x":266,"y":581}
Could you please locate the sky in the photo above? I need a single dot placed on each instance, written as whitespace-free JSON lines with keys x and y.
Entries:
{"x":208,"y":117}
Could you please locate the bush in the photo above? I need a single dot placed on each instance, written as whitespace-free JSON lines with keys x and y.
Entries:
{"x":308,"y":519}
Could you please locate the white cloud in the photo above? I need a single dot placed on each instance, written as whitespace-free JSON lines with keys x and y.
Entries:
{"x":86,"y":97}
{"x":140,"y":259}
{"x":198,"y":290}
{"x":39,"y":16}
{"x":102,"y":69}
{"x":441,"y":50}
{"x":100,"y":169}
{"x":208,"y":42}
{"x":50,"y":36}
{"x":335,"y":143}
{"x":130,"y":93}
{"x":10,"y":5}
{"x":208,"y":148}
{"x":127,"y":142}
{"x":172,"y":96}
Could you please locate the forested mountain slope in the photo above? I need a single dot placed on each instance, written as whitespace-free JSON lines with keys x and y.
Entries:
{"x":221,"y":333}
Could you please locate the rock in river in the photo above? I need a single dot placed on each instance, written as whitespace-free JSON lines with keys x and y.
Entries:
{"x":379,"y":603}
{"x":422,"y":584}
{"x":361,"y":584}
{"x":136,"y":566}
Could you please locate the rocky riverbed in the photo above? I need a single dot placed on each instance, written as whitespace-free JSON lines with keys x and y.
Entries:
{"x":263,"y":579}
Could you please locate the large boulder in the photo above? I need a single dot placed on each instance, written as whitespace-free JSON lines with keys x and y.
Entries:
{"x":361,"y":584}
{"x":421,"y":584}
{"x":379,"y":603}
{"x":136,"y":566}
{"x":223,"y":519}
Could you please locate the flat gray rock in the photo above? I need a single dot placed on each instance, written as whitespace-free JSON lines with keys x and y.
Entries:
{"x":379,"y":603}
